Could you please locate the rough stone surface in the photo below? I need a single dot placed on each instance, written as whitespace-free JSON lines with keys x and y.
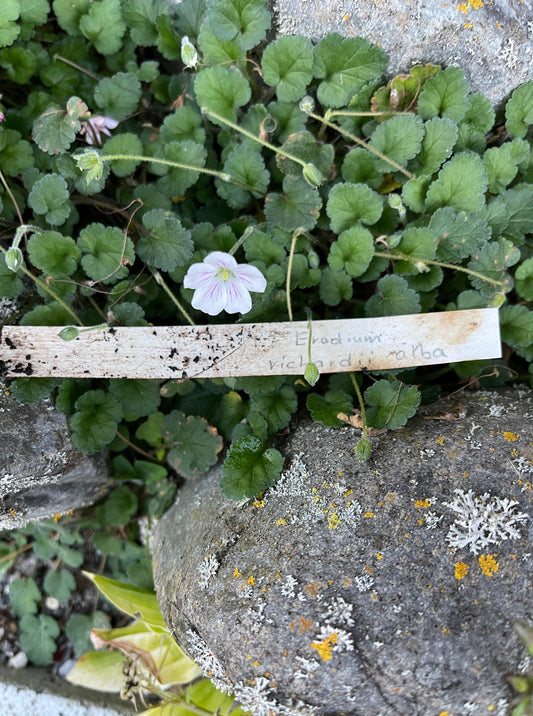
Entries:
{"x":33,"y":692}
{"x":491,"y":41}
{"x":384,"y":588}
{"x":41,"y":472}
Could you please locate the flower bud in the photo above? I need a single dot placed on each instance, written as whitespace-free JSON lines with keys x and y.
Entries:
{"x":496,"y":300}
{"x":312,"y":175}
{"x":311,"y":373}
{"x":313,"y":259}
{"x":307,"y":104}
{"x":90,"y":161}
{"x":69,"y":333}
{"x":14,"y":259}
{"x":363,"y":450}
{"x":189,"y":56}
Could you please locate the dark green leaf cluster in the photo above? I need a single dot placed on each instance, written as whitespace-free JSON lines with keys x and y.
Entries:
{"x":354,"y":197}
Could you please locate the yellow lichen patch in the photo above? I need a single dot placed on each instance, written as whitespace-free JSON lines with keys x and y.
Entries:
{"x":379,"y":555}
{"x":256,"y":664}
{"x":325,"y":647}
{"x":313,"y":588}
{"x":440,"y":441}
{"x":259,"y":503}
{"x":467,"y":25}
{"x":461,"y":570}
{"x":445,"y":631}
{"x":282,"y":521}
{"x":488,"y":564}
{"x":251,"y":581}
{"x":422,"y":503}
{"x":368,"y":569}
{"x":236,"y":572}
{"x":368,"y":514}
{"x":511,"y":437}
{"x":333,"y":521}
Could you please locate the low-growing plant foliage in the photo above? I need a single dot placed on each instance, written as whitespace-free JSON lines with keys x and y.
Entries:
{"x":138,"y":138}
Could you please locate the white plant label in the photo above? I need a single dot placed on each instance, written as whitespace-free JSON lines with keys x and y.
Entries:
{"x":248,"y":349}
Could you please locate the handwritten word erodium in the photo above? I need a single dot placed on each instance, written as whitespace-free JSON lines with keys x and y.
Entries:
{"x":183,"y":352}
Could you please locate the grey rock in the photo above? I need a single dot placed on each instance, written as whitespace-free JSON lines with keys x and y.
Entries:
{"x":384,"y":588}
{"x":491,"y":41}
{"x":41,"y":472}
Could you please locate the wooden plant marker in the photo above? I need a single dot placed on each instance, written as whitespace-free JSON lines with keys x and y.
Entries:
{"x":218,"y":351}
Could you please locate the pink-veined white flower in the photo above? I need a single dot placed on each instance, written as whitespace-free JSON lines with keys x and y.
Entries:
{"x":221,"y":284}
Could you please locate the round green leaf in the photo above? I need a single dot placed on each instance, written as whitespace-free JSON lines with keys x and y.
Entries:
{"x":418,"y":243}
{"x":519,"y":110}
{"x":248,"y":168}
{"x":103,"y":26}
{"x":221,"y":90}
{"x":445,"y":95}
{"x":335,"y":286}
{"x":177,"y":180}
{"x":95,"y":421}
{"x":353,"y":251}
{"x":166,"y":243}
{"x":345,"y":65}
{"x":194,"y":444}
{"x":59,"y":583}
{"x":524,"y":279}
{"x":249,"y":469}
{"x":399,"y":138}
{"x":246,"y":20}
{"x":138,"y":397}
{"x":118,"y":96}
{"x":106,"y":249}
{"x":393,"y":297}
{"x":54,"y":254}
{"x":391,"y":404}
{"x":461,"y":183}
{"x":350,"y":203}
{"x":287,"y":65}
{"x":127,"y":143}
{"x":49,"y":196}
{"x":298,"y":206}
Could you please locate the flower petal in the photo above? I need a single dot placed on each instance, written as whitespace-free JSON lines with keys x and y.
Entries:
{"x":211,"y":298}
{"x":198,"y":275}
{"x":238,"y":297}
{"x":221,"y":259}
{"x":251,"y":278}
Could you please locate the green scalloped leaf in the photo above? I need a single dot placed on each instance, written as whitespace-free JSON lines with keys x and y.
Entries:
{"x":325,"y":408}
{"x":393,"y":297}
{"x":37,"y":635}
{"x":118,"y":96}
{"x":249,"y":468}
{"x":9,"y":28}
{"x":10,"y":283}
{"x":492,"y":261}
{"x":246,"y":20}
{"x":177,"y":180}
{"x":140,"y":16}
{"x":95,"y":421}
{"x":105,"y":250}
{"x":420,"y":244}
{"x":221,"y":90}
{"x":50,"y":197}
{"x":345,"y":66}
{"x":480,"y":113}
{"x":298,"y":206}
{"x":15,"y":153}
{"x":18,"y":63}
{"x":216,"y":51}
{"x":437,"y":145}
{"x":287,"y":65}
{"x":126,"y":143}
{"x":137,"y":397}
{"x":335,"y":286}
{"x":59,"y":583}
{"x":103,"y":26}
{"x":166,"y":243}
{"x":518,"y":203}
{"x":501,"y":168}
{"x":360,"y":167}
{"x":460,"y":234}
{"x":276,"y":407}
{"x":445,"y":95}
{"x":353,"y":251}
{"x":391,"y":404}
{"x":54,"y":254}
{"x":304,"y":146}
{"x":516,"y":325}
{"x":399,"y":138}
{"x":350,"y":203}
{"x":248,"y":168}
{"x":193,"y":443}
{"x":524,"y":280}
{"x":185,"y":123}
{"x":519,"y":110}
{"x":24,"y":596}
{"x":461,"y":183}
